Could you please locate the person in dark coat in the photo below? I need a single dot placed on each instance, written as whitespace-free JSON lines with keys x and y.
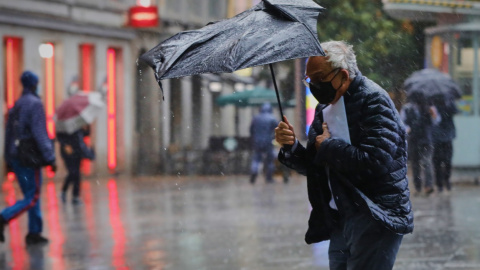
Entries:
{"x":420,"y":117}
{"x":443,"y":135}
{"x":27,"y":120}
{"x":261,"y":133}
{"x":358,"y":191}
{"x":73,"y":149}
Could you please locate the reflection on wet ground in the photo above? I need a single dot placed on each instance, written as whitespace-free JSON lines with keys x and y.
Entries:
{"x":220,"y":223}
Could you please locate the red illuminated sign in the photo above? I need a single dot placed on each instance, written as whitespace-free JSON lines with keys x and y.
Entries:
{"x":111,"y":109}
{"x":140,"y":17}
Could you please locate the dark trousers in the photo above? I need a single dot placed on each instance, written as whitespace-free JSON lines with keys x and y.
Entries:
{"x":360,"y":242}
{"x":30,"y":182}
{"x":442,"y":163}
{"x":420,"y":156}
{"x":73,"y":177}
{"x":266,"y":154}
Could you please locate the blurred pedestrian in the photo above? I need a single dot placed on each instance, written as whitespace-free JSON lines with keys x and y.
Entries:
{"x":443,"y":135}
{"x":419,"y":117}
{"x":262,"y":135}
{"x":27,"y":149}
{"x":358,"y":190}
{"x":73,"y":149}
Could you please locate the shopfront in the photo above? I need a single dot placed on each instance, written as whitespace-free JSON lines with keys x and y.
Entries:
{"x":454,"y":49}
{"x":68,"y":62}
{"x":452,"y":46}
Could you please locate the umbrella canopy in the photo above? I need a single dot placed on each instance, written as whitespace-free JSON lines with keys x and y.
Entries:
{"x":272,"y":31}
{"x":255,"y":97}
{"x":431,"y":83}
{"x":77,"y":111}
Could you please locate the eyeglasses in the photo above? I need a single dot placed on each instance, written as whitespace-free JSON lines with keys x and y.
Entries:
{"x":307,"y":81}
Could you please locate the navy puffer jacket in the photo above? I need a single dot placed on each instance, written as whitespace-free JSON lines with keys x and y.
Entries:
{"x":369,"y":174}
{"x":31,"y":124}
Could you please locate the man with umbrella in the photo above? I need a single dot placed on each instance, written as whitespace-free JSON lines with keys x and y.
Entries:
{"x":26,"y":121}
{"x":367,"y":177}
{"x":358,"y":191}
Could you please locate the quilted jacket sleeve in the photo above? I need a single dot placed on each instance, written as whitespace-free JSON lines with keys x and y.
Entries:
{"x":373,"y":154}
{"x":295,"y":160}
{"x":39,"y":132}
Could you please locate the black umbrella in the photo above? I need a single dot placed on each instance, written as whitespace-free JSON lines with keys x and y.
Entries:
{"x":429,"y":84}
{"x":272,"y":31}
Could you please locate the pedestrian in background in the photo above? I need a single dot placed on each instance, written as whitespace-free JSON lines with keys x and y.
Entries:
{"x":419,"y":117}
{"x":358,"y":190}
{"x":262,"y":135}
{"x":27,"y":122}
{"x":443,"y":135}
{"x":73,"y":149}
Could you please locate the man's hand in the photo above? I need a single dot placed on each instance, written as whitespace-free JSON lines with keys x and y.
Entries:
{"x":320,"y":138}
{"x":284,"y":133}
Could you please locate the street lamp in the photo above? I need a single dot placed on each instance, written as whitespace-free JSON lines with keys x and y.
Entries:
{"x":144,"y":3}
{"x":46,"y":50}
{"x":215,"y":87}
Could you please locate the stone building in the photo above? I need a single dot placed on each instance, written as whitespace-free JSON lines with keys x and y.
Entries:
{"x":93,"y":45}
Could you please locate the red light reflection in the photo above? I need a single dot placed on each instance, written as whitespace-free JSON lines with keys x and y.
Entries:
{"x":118,"y":231}
{"x":19,"y":257}
{"x":56,"y":233}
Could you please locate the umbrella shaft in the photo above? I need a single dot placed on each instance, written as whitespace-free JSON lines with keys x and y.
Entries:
{"x":276,"y":91}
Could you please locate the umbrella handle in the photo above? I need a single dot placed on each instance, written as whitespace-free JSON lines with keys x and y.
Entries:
{"x":287,"y":147}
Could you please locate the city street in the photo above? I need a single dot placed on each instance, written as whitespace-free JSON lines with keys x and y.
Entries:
{"x":218,"y":223}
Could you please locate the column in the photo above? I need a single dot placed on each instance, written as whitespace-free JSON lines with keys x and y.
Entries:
{"x":206,"y":114}
{"x":186,"y":88}
{"x":475,"y":85}
{"x":227,"y":114}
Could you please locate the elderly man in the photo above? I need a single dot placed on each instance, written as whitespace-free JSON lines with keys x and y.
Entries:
{"x":358,"y":190}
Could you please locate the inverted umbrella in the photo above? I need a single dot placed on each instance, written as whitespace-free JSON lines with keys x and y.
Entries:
{"x":272,"y":31}
{"x":430,"y":83}
{"x":255,"y":97}
{"x":77,"y":111}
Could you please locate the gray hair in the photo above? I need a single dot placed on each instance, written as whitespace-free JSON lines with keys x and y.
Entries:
{"x":341,"y":55}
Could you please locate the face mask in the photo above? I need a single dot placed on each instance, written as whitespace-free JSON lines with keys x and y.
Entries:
{"x":324,"y":92}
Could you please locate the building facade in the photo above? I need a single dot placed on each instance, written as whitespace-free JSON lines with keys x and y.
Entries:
{"x":452,"y":46}
{"x":93,"y":45}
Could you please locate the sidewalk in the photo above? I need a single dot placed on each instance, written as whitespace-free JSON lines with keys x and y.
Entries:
{"x":219,"y":223}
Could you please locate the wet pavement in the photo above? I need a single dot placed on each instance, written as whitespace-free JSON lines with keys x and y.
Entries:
{"x":218,"y":223}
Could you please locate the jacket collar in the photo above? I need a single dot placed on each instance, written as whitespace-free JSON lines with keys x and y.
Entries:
{"x":27,"y":91}
{"x":354,"y":86}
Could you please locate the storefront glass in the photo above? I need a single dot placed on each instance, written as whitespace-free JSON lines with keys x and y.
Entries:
{"x":455,"y":54}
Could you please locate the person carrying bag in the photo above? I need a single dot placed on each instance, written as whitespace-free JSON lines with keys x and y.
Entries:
{"x":27,"y":149}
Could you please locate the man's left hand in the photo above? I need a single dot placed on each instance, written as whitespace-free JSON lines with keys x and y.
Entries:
{"x":320,"y":138}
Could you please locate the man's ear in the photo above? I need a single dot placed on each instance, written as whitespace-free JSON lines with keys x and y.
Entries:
{"x":346,"y":75}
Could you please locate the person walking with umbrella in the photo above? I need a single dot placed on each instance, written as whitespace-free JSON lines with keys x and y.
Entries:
{"x":73,"y":119}
{"x":358,"y":190}
{"x":420,"y":117}
{"x":27,"y":122}
{"x":429,"y":118}
{"x":73,"y":149}
{"x":443,"y":135}
{"x":261,"y":133}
